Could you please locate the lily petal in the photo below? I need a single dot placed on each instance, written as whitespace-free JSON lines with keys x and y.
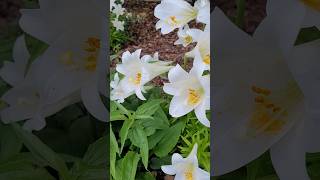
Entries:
{"x":288,"y":155}
{"x":178,"y":107}
{"x":169,"y":169}
{"x":93,"y":102}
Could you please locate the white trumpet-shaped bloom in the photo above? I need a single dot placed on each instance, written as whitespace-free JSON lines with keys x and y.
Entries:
{"x":137,"y":72}
{"x":75,"y":60}
{"x":24,"y":98}
{"x":175,"y":14}
{"x":187,"y":35}
{"x":119,"y":25}
{"x":118,"y":93}
{"x":118,"y":10}
{"x":186,"y":168}
{"x":201,"y":53}
{"x":265,"y":96}
{"x":191,"y":91}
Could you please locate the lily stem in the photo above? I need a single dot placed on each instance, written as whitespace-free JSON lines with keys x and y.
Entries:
{"x":241,"y":7}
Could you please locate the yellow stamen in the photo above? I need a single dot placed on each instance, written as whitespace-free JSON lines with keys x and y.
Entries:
{"x":193,"y":97}
{"x":314,"y":4}
{"x":206,"y":59}
{"x":262,"y":91}
{"x":188,"y":39}
{"x":91,"y":63}
{"x":137,"y":79}
{"x":188,"y":175}
{"x":173,"y":20}
{"x":93,"y":42}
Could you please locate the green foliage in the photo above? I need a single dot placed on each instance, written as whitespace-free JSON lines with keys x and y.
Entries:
{"x":146,"y":129}
{"x":118,"y":38}
{"x":196,"y":133}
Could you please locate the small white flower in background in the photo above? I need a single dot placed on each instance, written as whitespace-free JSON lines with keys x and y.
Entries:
{"x":191,"y":91}
{"x":178,"y":13}
{"x":118,"y":10}
{"x":201,"y":53}
{"x":137,"y":72}
{"x":118,"y":93}
{"x":119,"y":25}
{"x":187,"y":36}
{"x":186,"y":168}
{"x":112,"y":4}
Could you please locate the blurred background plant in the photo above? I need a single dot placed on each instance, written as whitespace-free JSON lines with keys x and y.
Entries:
{"x":72,"y":146}
{"x":248,"y":14}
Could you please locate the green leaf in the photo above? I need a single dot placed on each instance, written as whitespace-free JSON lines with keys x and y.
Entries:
{"x":154,"y":139}
{"x":148,"y":108}
{"x":146,"y":176}
{"x":96,"y":154}
{"x":252,"y":169}
{"x":124,"y":132}
{"x":161,"y":116}
{"x":114,"y":149}
{"x":10,"y":144}
{"x":117,"y":115}
{"x":169,"y":140}
{"x":307,"y":35}
{"x":139,"y":138}
{"x":94,"y":174}
{"x":122,"y":109}
{"x":127,"y":167}
{"x":41,"y":151}
{"x":36,"y":48}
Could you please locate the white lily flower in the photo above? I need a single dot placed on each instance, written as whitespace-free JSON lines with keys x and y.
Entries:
{"x":174,"y":14}
{"x":118,"y":93}
{"x":112,"y":4}
{"x":24,"y":102}
{"x":203,"y":7}
{"x":119,"y":25}
{"x":186,"y":168}
{"x":187,"y":36}
{"x":137,"y":72}
{"x":191,"y":91}
{"x":75,"y":59}
{"x":118,"y":10}
{"x":262,"y":97}
{"x":201,"y":53}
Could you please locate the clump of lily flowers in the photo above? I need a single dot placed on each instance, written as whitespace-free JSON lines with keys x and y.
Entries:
{"x":190,"y":90}
{"x":116,"y":7}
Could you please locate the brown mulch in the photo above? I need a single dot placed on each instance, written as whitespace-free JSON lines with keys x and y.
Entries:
{"x":147,"y":38}
{"x":254,"y":14}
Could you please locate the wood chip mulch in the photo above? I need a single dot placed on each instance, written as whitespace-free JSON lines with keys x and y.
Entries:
{"x":147,"y":38}
{"x":255,"y":12}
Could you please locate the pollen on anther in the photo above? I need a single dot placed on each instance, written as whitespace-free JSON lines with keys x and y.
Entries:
{"x":259,"y":99}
